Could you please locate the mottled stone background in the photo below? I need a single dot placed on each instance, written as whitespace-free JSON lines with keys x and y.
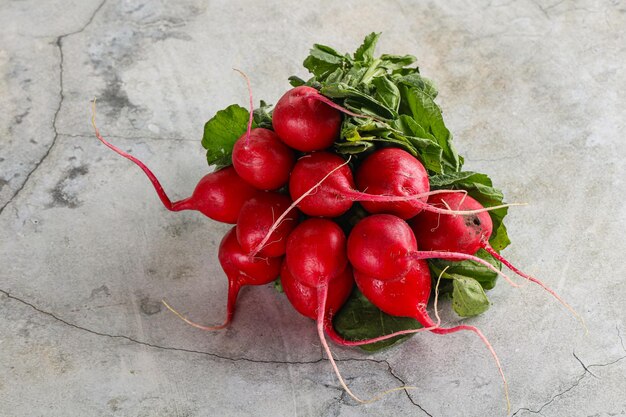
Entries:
{"x":533,"y":91}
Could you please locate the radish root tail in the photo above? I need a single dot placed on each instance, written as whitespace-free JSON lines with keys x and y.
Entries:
{"x":322,"y":294}
{"x":194,"y":324}
{"x":322,"y":98}
{"x":530,"y":278}
{"x":234,"y":286}
{"x":176,"y":206}
{"x":482,"y":337}
{"x":251,"y":104}
{"x":435,"y":327}
{"x":448,"y":210}
{"x":491,"y":350}
{"x":455,"y":256}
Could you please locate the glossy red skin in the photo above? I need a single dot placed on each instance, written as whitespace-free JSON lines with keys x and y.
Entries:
{"x":379,"y":246}
{"x":316,"y":252}
{"x":329,"y":199}
{"x":464,"y":234}
{"x":257,"y":217}
{"x":304,"y":298}
{"x":392,"y":171}
{"x":304,"y":123}
{"x":263,"y":160}
{"x":240,"y":268}
{"x":219,"y":196}
{"x":403,"y":297}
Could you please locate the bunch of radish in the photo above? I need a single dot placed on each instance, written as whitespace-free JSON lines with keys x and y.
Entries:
{"x":351,"y":179}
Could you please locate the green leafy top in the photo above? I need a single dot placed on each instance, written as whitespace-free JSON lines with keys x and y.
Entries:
{"x":395,"y":94}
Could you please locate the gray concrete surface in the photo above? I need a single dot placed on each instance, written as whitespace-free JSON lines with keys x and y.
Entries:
{"x":533,"y":91}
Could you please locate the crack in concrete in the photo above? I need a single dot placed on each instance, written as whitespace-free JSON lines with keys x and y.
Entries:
{"x":406,"y":391}
{"x":343,"y":396}
{"x":574,"y":385}
{"x":584,"y":366}
{"x":578,"y":379}
{"x":599,"y":365}
{"x":59,"y":44}
{"x":177,"y":349}
{"x":310,"y":362}
{"x":148,"y":344}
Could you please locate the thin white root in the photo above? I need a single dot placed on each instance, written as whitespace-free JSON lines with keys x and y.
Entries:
{"x":322,"y":294}
{"x":448,"y":210}
{"x":455,"y":256}
{"x":251,"y":104}
{"x":194,"y":324}
{"x":437,"y":295}
{"x":530,"y":278}
{"x":500,"y":370}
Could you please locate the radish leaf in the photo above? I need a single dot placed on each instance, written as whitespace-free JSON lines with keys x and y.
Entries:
{"x":365,"y":52}
{"x":468,"y":297}
{"x":263,"y":115}
{"x":359,"y":319}
{"x":222,"y":131}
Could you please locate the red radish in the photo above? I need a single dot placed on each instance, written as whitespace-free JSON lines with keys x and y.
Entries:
{"x":259,"y":156}
{"x":322,"y":184}
{"x":316,"y":252}
{"x":316,"y":255}
{"x":240,"y":270}
{"x":304,"y":298}
{"x":394,"y":296}
{"x":304,"y":122}
{"x":262,"y":159}
{"x":393,"y":171}
{"x":404,"y":297}
{"x":383,"y":246}
{"x":256,"y":218}
{"x":331,"y":198}
{"x":308,"y":121}
{"x":218,"y":195}
{"x":465,"y":234}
